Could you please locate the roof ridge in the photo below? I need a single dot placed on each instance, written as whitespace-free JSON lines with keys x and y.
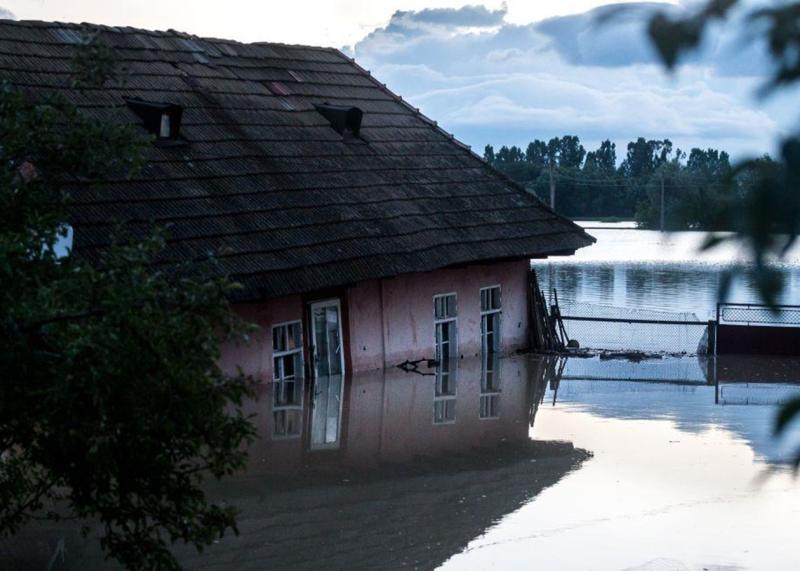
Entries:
{"x":169,"y":32}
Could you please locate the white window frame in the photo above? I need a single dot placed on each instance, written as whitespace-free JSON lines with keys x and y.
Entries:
{"x":453,"y":343}
{"x":490,"y":395}
{"x":484,"y":320}
{"x":277,"y":380}
{"x":445,"y":401}
{"x":489,"y":411}
{"x":317,"y":379}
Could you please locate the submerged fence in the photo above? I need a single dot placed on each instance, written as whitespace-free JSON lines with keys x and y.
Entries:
{"x":755,"y":329}
{"x":747,"y":342}
{"x":620,"y":329}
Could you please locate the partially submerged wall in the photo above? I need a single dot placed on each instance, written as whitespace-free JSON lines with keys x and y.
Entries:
{"x":391,"y":320}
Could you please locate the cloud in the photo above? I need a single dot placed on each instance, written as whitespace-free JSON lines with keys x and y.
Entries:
{"x":6,"y":14}
{"x":607,"y":36}
{"x":466,"y":16}
{"x":408,"y":27}
{"x":592,"y":74}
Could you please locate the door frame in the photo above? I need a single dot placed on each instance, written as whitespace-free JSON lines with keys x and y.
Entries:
{"x":344,"y":363}
{"x":312,"y":337}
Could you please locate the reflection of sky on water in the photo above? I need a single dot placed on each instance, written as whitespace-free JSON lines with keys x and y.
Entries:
{"x":654,"y":497}
{"x":747,"y":414}
{"x":676,"y":482}
{"x":683,"y":369}
{"x":644,"y":270}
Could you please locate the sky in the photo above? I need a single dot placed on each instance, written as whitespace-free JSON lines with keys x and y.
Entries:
{"x":501,"y":72}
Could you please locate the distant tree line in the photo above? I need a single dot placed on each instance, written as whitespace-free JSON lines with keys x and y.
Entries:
{"x":697,"y":187}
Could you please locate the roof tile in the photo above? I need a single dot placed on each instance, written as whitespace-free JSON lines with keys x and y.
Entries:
{"x":266,"y":183}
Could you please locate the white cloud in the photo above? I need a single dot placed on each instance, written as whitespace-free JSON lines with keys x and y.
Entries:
{"x":489,"y":81}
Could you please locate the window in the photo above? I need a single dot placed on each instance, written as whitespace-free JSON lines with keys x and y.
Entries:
{"x":490,"y":387}
{"x":444,"y":411}
{"x":444,"y":395}
{"x":286,"y":423}
{"x":287,"y":379}
{"x":490,"y":321}
{"x":444,"y":319}
{"x":490,"y":351}
{"x":489,"y":406}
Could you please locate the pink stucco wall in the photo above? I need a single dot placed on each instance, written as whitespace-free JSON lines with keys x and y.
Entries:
{"x":391,"y":320}
{"x":255,"y":357}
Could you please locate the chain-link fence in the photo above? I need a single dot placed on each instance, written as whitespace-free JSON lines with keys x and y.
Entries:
{"x":658,"y":346}
{"x":622,"y":329}
{"x":757,"y":315}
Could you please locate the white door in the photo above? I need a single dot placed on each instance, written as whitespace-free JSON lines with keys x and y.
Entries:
{"x":328,"y":369}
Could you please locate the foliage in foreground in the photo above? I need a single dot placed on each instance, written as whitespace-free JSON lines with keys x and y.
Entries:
{"x":113,"y":408}
{"x":766,"y":222}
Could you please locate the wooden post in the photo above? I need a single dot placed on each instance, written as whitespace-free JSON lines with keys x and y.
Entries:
{"x":535,"y":338}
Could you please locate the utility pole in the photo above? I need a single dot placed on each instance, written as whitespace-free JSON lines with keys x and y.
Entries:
{"x":662,"y":200}
{"x":552,"y":186}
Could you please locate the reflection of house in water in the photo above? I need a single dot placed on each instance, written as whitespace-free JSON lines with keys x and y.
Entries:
{"x":407,"y":484}
{"x":393,"y":416}
{"x":367,"y":477}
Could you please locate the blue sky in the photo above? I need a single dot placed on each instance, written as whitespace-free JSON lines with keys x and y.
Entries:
{"x":501,"y":72}
{"x":490,"y":80}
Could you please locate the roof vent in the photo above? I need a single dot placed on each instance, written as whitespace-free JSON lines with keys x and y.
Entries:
{"x":160,"y":119}
{"x":344,"y":119}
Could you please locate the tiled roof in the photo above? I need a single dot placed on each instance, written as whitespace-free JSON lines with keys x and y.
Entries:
{"x":265,"y":181}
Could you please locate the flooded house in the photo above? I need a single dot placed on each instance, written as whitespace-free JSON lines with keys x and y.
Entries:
{"x":363,"y":234}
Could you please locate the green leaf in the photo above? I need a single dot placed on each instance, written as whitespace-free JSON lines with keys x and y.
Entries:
{"x":787,"y":413}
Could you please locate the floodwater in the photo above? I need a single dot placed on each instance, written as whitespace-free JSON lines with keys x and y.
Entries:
{"x":527,"y":462}
{"x":676,"y":482}
{"x":648,"y":272}
{"x":525,"y":469}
